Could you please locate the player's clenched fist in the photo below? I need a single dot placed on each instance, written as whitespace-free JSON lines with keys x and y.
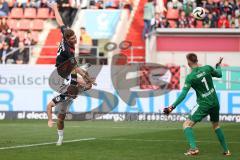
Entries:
{"x":168,"y":110}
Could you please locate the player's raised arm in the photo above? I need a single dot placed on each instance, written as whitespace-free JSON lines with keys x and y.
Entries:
{"x":54,"y":7}
{"x":217,"y":72}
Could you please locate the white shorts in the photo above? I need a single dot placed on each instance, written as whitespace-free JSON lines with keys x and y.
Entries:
{"x":57,"y":83}
{"x":63,"y":107}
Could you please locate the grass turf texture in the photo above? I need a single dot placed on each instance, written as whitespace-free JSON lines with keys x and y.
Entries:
{"x":114,"y":141}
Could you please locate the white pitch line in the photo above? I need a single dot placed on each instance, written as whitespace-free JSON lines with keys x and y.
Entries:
{"x":48,"y":143}
{"x":159,"y":140}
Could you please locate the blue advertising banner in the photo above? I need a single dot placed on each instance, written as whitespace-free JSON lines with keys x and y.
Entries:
{"x":101,"y":24}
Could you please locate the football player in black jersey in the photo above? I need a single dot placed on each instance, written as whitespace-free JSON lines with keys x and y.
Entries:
{"x":66,"y":63}
{"x":67,"y":69}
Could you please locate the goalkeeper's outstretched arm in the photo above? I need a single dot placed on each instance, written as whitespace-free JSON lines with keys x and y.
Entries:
{"x":182,"y":96}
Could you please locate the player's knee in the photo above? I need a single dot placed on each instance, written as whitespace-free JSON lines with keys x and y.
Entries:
{"x":61,"y":117}
{"x":187,"y":124}
{"x":215,"y":125}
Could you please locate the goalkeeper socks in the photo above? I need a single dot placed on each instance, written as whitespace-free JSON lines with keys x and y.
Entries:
{"x":190,"y":137}
{"x":221,"y":139}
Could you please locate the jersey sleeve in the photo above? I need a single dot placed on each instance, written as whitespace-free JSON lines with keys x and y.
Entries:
{"x":58,"y":99}
{"x":62,"y":29}
{"x":184,"y":92}
{"x":216,"y":72}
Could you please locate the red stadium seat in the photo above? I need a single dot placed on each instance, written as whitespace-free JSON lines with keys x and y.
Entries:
{"x":24,"y":24}
{"x":52,"y":15}
{"x":37,"y":24}
{"x":172,"y":14}
{"x":16,"y":13}
{"x":199,"y":24}
{"x":30,"y":13}
{"x":43,"y":13}
{"x":35,"y":35}
{"x":12,"y":23}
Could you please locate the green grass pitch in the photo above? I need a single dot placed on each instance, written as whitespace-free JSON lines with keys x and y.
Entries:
{"x":113,"y":141}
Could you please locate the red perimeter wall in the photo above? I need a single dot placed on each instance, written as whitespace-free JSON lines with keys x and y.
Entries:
{"x":191,"y":43}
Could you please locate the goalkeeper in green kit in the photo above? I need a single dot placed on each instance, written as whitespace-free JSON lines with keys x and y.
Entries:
{"x":200,"y":79}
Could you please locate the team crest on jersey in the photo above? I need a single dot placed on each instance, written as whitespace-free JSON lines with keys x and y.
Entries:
{"x":58,"y":98}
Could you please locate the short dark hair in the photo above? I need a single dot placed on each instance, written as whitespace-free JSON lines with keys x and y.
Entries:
{"x":68,"y":33}
{"x":192,"y":57}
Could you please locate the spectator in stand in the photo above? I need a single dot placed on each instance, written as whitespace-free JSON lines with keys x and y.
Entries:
{"x":175,"y":4}
{"x":92,"y":4}
{"x":28,"y":39}
{"x":99,"y":5}
{"x":226,"y":8}
{"x":4,"y":9}
{"x":111,"y":4}
{"x":128,"y":4}
{"x":74,"y":5}
{"x":85,"y":42}
{"x":8,"y":35}
{"x":215,"y":18}
{"x":223,"y":22}
{"x":191,"y":21}
{"x":183,"y":21}
{"x":3,"y":25}
{"x":148,"y":16}
{"x":155,"y":22}
{"x":236,"y":13}
{"x":164,"y":23}
{"x":209,"y":5}
{"x":188,"y":7}
{"x":68,"y":10}
{"x":14,"y":39}
{"x":22,"y":3}
{"x":4,"y":54}
{"x":2,"y":37}
{"x":159,"y":7}
{"x":10,"y":3}
{"x":64,"y":10}
{"x":220,"y":13}
{"x":84,"y":4}
{"x":236,"y":22}
{"x":35,"y":3}
{"x":21,"y":55}
{"x":210,"y":21}
{"x":44,"y":4}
